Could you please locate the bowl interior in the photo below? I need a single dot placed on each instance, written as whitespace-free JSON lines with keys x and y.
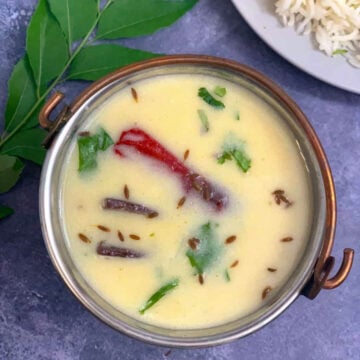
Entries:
{"x":53,"y":231}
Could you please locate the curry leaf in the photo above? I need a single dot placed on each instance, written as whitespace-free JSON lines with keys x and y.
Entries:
{"x":209,"y":99}
{"x":22,"y":95}
{"x":46,"y":47}
{"x":5,"y":211}
{"x":96,"y":61}
{"x":75,"y":17}
{"x":128,"y":18}
{"x":207,"y":250}
{"x":10,"y":170}
{"x":27,"y":145}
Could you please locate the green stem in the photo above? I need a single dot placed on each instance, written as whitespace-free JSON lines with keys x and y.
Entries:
{"x":56,"y":81}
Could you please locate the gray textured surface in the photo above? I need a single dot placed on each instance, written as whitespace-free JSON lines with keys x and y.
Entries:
{"x":40,"y":319}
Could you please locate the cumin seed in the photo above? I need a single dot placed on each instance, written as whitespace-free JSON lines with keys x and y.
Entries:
{"x":152,"y":215}
{"x":271,"y":269}
{"x":84,"y":133}
{"x":126,"y":192}
{"x":235,"y":263}
{"x":193,"y":243}
{"x":103,"y":228}
{"x":230,"y":239}
{"x":181,"y":202}
{"x":201,"y":279}
{"x":134,"y":94}
{"x":186,"y":154}
{"x":280,"y":197}
{"x":287,"y":239}
{"x":134,"y":237}
{"x":84,"y":238}
{"x":206,"y":193}
{"x":266,"y":292}
{"x":167,"y":353}
{"x":120,"y":236}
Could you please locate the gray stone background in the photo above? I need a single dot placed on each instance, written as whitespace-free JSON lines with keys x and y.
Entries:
{"x":40,"y":319}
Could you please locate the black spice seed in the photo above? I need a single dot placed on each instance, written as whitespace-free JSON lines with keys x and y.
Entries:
{"x":266,"y":292}
{"x":186,"y":154}
{"x":167,"y":353}
{"x":230,"y":239}
{"x":126,"y":192}
{"x":271,"y":269}
{"x":84,"y":133}
{"x":134,"y":94}
{"x":181,"y":202}
{"x":120,"y":236}
{"x":287,"y":239}
{"x":235,"y":263}
{"x":84,"y":238}
{"x":193,"y":243}
{"x":134,"y":237}
{"x":103,"y":228}
{"x":201,"y":279}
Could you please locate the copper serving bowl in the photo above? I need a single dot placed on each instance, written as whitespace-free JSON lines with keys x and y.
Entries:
{"x":313,"y":270}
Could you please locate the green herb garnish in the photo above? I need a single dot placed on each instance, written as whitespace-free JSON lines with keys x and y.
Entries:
{"x":237,"y":115}
{"x":204,"y":120}
{"x":233,"y":148}
{"x":339,"y":52}
{"x":207,"y":250}
{"x":5,"y":211}
{"x":89,"y":146}
{"x":226,"y":275}
{"x":220,"y":91}
{"x":154,"y":298}
{"x":209,"y":99}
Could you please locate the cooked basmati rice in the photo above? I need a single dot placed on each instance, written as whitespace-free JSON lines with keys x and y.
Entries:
{"x":334,"y":23}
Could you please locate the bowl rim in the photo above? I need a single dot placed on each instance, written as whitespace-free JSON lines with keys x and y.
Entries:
{"x":286,"y":101}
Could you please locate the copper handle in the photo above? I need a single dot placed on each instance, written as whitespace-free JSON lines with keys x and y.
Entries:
{"x":47,"y":109}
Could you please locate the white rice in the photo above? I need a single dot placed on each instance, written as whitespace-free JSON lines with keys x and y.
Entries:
{"x":334,"y":23}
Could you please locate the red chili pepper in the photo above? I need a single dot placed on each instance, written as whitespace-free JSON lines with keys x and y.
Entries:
{"x":147,"y":145}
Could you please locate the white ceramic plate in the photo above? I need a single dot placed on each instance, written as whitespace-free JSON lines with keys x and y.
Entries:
{"x":298,"y":49}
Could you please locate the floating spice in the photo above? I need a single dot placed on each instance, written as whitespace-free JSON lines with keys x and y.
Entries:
{"x":134,"y":237}
{"x":103,"y":228}
{"x":167,"y":353}
{"x":266,"y":292}
{"x":280,"y":197}
{"x":235,"y":263}
{"x":122,"y":205}
{"x":271,"y":269}
{"x":120,"y":236}
{"x":146,"y":145}
{"x":134,"y":94}
{"x":201,"y":279}
{"x":126,"y":192}
{"x":84,"y":238}
{"x":84,"y":133}
{"x":287,"y":239}
{"x":186,"y":154}
{"x":181,"y":202}
{"x":230,"y":239}
{"x":115,"y":251}
{"x":226,"y":275}
{"x":193,"y":243}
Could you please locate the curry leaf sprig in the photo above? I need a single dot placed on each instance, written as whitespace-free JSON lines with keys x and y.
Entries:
{"x":64,"y":41}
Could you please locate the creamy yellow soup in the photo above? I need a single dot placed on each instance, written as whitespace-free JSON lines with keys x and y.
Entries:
{"x":258,"y":233}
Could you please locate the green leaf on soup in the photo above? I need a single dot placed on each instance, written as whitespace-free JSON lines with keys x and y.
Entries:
{"x":128,"y":18}
{"x":204,"y":119}
{"x":89,"y":146}
{"x":5,"y":211}
{"x":93,"y":62}
{"x":27,"y":144}
{"x":159,"y":294}
{"x":207,"y":251}
{"x":237,"y":115}
{"x":22,"y":96}
{"x":46,"y":47}
{"x":220,"y":91}
{"x":340,"y":52}
{"x":209,"y":99}
{"x":233,"y":149}
{"x":10,"y":170}
{"x":227,"y":275}
{"x":75,"y":17}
